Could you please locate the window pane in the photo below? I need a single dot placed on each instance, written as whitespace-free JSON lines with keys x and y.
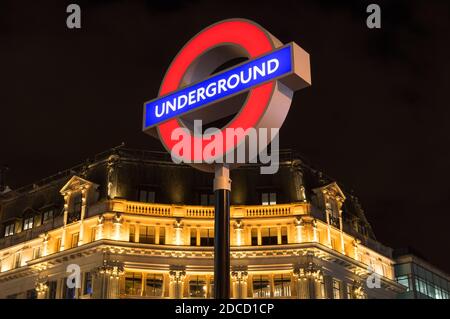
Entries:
{"x":282,"y":285}
{"x":204,"y":199}
{"x":254,"y":236}
{"x":193,"y":236}
{"x":284,"y":238}
{"x":273,"y":198}
{"x":162,"y":235}
{"x":154,"y":285}
{"x":197,"y":287}
{"x":261,"y":287}
{"x":133,"y":283}
{"x":265,"y":198}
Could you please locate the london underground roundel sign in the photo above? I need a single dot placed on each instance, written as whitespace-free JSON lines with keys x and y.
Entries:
{"x":192,"y":88}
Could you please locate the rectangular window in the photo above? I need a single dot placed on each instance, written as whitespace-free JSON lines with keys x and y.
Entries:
{"x":17,"y":260}
{"x":404,"y":280}
{"x":349,"y":292}
{"x":68,"y":293}
{"x":77,"y":202}
{"x":31,"y":294}
{"x":193,"y":237}
{"x":261,"y":286}
{"x":36,"y":252}
{"x":87,"y":286}
{"x":132,"y":234}
{"x":52,"y":289}
{"x":93,"y":233}
{"x":75,"y":238}
{"x":197,"y":287}
{"x":9,"y":230}
{"x":282,"y":285}
{"x":162,"y":235}
{"x":254,"y":236}
{"x":284,"y":237}
{"x":133,"y":284}
{"x":268,"y":198}
{"x":269,"y":236}
{"x":154,"y":285}
{"x":207,"y":237}
{"x":58,"y":244}
{"x":147,"y":234}
{"x":147,"y":196}
{"x":207,"y":199}
{"x":28,"y":223}
{"x":336,"y":289}
{"x":47,"y":216}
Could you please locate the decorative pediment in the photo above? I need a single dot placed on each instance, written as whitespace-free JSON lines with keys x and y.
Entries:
{"x":76,"y":184}
{"x":331,"y":190}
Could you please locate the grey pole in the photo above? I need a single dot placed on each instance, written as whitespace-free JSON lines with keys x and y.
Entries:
{"x":222,"y":189}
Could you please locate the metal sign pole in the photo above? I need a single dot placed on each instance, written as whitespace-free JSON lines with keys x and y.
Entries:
{"x":222,"y":189}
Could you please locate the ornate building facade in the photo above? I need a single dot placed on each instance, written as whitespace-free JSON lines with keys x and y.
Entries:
{"x":139,"y":226}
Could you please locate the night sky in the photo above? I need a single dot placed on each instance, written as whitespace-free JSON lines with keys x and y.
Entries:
{"x":376,"y":117}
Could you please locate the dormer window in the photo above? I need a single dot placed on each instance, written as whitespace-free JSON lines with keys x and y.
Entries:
{"x":269,"y":198}
{"x":207,"y":199}
{"x":47,"y":216}
{"x":9,"y":230}
{"x":75,"y":212}
{"x":147,"y":195}
{"x":28,"y":223}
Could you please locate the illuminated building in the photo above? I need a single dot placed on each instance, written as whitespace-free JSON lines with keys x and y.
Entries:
{"x":140,"y":226}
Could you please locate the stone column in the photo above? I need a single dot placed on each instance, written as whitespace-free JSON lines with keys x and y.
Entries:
{"x":84,"y":192}
{"x":176,"y":283}
{"x":178,"y":240}
{"x":299,"y":229}
{"x":239,"y":281}
{"x":117,"y":225}
{"x":66,"y":212}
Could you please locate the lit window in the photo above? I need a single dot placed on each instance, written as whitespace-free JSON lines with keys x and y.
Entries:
{"x":207,"y":237}
{"x":349,"y":292}
{"x":284,"y":238}
{"x":132,"y":234}
{"x":254,"y":236}
{"x":133,"y":284}
{"x":87,"y":288}
{"x":9,"y":230}
{"x":197,"y":287}
{"x":336,"y":289}
{"x":47,"y":216}
{"x":162,"y":235}
{"x":36,"y":252}
{"x":28,"y":223}
{"x":193,"y":237}
{"x":268,"y":198}
{"x":404,"y":280}
{"x":282,"y":285}
{"x":261,"y":286}
{"x":147,"y":234}
{"x":269,"y":236}
{"x":17,"y":260}
{"x":75,"y":239}
{"x":154,"y":285}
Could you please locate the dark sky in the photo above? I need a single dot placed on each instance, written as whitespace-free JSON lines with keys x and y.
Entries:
{"x":376,"y":117}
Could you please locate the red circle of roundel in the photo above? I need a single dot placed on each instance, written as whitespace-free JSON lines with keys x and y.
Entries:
{"x":256,"y":42}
